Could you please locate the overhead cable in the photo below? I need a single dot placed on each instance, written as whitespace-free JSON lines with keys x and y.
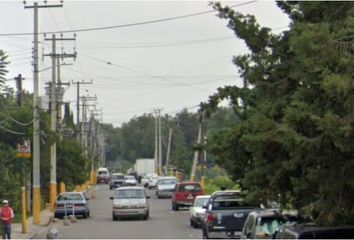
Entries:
{"x":13,"y":119}
{"x":129,"y":24}
{"x":11,"y":131}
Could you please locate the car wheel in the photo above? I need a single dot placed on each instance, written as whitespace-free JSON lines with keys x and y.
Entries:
{"x":146,"y":216}
{"x":173,"y":207}
{"x":88,"y":214}
{"x":177,"y":207}
{"x":114,"y":218}
{"x":195,"y":225}
{"x":84,"y":215}
{"x":191,"y":222}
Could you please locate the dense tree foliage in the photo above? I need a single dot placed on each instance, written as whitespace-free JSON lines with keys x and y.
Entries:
{"x":293,"y":141}
{"x":16,"y":125}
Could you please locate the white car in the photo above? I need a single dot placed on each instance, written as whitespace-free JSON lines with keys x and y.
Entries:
{"x":165,"y":186}
{"x":145,"y":179}
{"x":197,"y":211}
{"x":152,"y":182}
{"x":130,"y":181}
{"x":129,"y":202}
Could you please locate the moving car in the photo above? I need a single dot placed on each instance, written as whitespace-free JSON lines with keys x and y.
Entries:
{"x":71,"y":203}
{"x":165,"y":186}
{"x":117,"y":180}
{"x":145,"y":179}
{"x":225,"y":215}
{"x":262,"y":224}
{"x":130,"y":180}
{"x":152,"y":182}
{"x":185,"y":193}
{"x":130,"y":202}
{"x":102,"y":175}
{"x":197,"y":211}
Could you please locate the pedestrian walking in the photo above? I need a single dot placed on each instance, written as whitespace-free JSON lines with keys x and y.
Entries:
{"x":7,"y":214}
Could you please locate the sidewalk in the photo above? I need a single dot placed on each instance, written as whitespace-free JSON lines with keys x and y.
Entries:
{"x":46,"y":219}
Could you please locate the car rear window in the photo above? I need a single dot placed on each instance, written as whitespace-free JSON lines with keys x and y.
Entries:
{"x":117,"y":176}
{"x":130,"y":193}
{"x":71,"y":197}
{"x":194,"y":187}
{"x":166,"y":181}
{"x":228,"y":203}
{"x":102,"y":173}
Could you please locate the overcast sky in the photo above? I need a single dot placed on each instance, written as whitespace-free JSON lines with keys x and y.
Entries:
{"x":170,"y":65}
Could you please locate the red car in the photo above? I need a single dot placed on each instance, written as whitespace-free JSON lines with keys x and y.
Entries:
{"x":185,"y":193}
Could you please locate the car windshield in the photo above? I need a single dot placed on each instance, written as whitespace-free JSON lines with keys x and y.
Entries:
{"x":70,"y":197}
{"x":200,"y":202}
{"x":190,"y":188}
{"x":130,"y":193}
{"x":115,"y":177}
{"x":167,"y":181}
{"x":267,"y":226}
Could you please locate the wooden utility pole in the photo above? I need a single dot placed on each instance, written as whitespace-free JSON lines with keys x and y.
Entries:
{"x":168,"y":151}
{"x":19,"y":80}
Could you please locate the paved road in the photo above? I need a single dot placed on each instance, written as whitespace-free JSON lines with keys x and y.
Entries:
{"x":163,"y":222}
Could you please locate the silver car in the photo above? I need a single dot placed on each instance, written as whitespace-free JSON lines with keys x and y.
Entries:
{"x":197,"y":212}
{"x":72,"y":203}
{"x":130,"y":202}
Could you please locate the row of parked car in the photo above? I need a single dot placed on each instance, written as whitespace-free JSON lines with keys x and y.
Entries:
{"x":225,"y":214}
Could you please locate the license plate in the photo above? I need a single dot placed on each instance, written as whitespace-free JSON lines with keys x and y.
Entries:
{"x":190,"y":197}
{"x":69,"y":205}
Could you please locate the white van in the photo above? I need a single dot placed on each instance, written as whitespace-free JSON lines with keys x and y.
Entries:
{"x":103,"y":175}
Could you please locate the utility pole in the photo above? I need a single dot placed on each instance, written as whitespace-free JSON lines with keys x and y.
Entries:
{"x":53,"y":111}
{"x":158,"y":147}
{"x":78,"y":131}
{"x":168,"y":150}
{"x":36,"y":141}
{"x":196,"y":152}
{"x":19,"y":80}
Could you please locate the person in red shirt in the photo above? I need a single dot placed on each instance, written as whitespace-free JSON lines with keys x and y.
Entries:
{"x":7,"y":214}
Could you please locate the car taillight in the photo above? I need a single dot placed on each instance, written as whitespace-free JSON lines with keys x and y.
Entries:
{"x":211,"y":218}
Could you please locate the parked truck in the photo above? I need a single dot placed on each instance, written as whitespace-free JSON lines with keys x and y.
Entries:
{"x":144,"y":166}
{"x":225,"y":215}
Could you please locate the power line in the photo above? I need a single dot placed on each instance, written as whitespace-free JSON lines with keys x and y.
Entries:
{"x":11,"y":131}
{"x":129,"y":24}
{"x":12,"y":118}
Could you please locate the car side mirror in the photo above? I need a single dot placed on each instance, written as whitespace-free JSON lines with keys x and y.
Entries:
{"x":205,"y":206}
{"x":111,"y":198}
{"x":87,"y":198}
{"x":148,"y":197}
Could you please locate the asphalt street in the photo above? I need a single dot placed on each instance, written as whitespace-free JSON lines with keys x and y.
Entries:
{"x":162,"y":224}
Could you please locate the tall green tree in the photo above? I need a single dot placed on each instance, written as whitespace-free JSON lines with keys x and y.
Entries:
{"x":294,"y":140}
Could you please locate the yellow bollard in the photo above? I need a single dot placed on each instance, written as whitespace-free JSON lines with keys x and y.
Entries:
{"x":62,"y":187}
{"x":36,"y":205}
{"x":24,"y":211}
{"x":53,"y":195}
